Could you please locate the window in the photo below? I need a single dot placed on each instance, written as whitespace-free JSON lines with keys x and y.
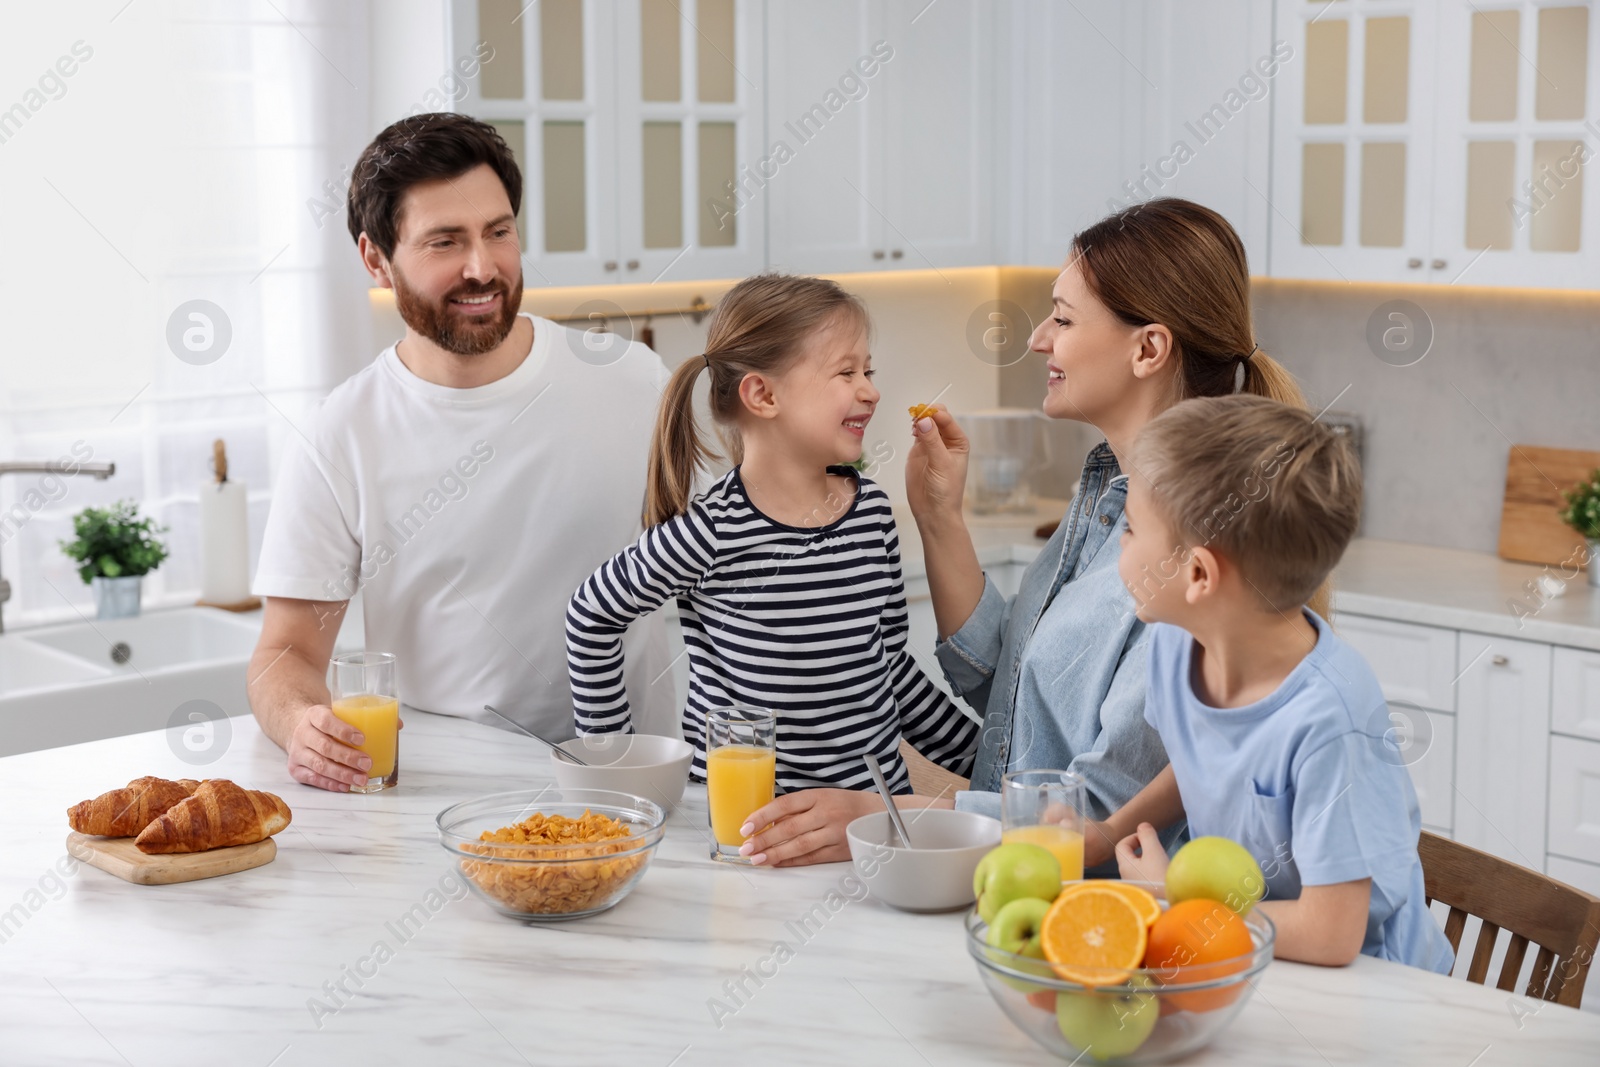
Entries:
{"x":231,"y":192}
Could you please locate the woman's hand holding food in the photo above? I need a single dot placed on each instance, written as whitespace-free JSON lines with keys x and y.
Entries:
{"x":936,"y":469}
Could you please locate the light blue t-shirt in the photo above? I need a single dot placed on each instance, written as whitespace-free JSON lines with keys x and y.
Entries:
{"x":1307,"y":780}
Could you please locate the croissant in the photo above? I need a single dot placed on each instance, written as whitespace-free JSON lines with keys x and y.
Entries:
{"x":218,"y":815}
{"x":124,"y":812}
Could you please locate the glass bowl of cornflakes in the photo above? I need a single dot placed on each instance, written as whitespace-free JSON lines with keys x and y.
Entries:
{"x":549,"y":855}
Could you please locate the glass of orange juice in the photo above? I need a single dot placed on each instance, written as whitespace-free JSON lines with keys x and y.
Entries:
{"x":1045,"y":808}
{"x":741,"y":773}
{"x":362,"y":685}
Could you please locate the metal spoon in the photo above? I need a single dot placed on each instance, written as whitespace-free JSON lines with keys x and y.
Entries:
{"x":548,"y":744}
{"x":897,"y":825}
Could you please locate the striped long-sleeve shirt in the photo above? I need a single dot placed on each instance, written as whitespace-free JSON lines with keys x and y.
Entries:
{"x":810,"y":624}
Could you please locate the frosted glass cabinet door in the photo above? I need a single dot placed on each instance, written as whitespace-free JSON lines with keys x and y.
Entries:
{"x":690,"y":97}
{"x":545,"y":83}
{"x":1517,"y":204}
{"x":1352,"y":141}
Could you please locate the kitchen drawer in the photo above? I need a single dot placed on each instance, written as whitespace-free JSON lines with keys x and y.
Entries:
{"x":1415,"y":664}
{"x":1575,"y":693}
{"x":1575,"y":798}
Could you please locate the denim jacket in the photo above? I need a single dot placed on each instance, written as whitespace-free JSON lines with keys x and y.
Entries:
{"x":1058,"y":671}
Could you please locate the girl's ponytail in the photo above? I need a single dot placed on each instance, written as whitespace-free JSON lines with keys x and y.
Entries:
{"x":676,"y":449}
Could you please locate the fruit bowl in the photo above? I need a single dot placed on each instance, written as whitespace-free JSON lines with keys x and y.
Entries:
{"x":1147,"y":1015}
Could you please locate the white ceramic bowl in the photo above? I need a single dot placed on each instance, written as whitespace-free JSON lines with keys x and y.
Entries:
{"x":936,"y":875}
{"x":656,"y":768}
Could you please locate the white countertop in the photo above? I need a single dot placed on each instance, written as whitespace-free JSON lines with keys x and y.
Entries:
{"x":221,"y":971}
{"x":1464,"y":591}
{"x":1444,"y":587}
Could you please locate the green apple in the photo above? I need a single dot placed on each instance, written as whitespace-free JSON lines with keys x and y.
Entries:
{"x":1016,"y":929}
{"x":1215,"y":868}
{"x":1108,"y":1025}
{"x":1008,"y":872}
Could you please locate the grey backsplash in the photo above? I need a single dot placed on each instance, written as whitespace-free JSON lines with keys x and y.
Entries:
{"x":1504,"y":366}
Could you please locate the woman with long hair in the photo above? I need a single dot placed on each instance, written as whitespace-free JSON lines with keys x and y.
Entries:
{"x":1152,"y":307}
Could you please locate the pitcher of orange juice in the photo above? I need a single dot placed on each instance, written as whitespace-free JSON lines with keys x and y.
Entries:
{"x":741,"y":773}
{"x":1045,"y":808}
{"x":362,"y":685}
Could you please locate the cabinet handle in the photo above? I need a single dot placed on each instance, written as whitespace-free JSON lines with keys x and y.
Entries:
{"x":1500,"y":661}
{"x":877,"y":253}
{"x":611,"y":264}
{"x":1439,"y":264}
{"x":1414,"y":263}
{"x":633,"y":264}
{"x":897,"y":254}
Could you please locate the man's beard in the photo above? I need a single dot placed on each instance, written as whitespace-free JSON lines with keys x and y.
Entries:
{"x":452,"y":330}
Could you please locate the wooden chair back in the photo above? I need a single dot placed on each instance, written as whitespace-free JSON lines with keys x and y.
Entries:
{"x":1563,"y":922}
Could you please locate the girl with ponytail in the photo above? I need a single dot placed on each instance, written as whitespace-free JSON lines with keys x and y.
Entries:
{"x":1151,"y":308}
{"x":786,"y":570}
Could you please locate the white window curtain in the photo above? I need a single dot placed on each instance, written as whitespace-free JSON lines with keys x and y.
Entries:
{"x":197,"y":151}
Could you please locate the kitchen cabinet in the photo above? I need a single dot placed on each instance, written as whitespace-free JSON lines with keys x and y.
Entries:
{"x":1111,"y":104}
{"x":634,"y":124}
{"x":1414,"y":664}
{"x":1502,"y":746}
{"x":1575,"y":798}
{"x":1509,"y":757}
{"x":1575,"y":698}
{"x":1416,"y":667}
{"x":881,"y":132}
{"x":1434,"y":141}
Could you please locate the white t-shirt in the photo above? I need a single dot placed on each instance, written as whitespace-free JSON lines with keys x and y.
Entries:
{"x":467,"y":518}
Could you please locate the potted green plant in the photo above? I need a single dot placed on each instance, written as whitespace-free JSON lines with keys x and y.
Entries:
{"x":115,"y":547}
{"x":1582,"y":513}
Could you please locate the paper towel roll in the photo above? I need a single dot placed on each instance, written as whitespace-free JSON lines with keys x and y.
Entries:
{"x":224,"y":543}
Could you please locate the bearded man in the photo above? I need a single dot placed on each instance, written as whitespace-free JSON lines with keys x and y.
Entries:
{"x":465,"y":482}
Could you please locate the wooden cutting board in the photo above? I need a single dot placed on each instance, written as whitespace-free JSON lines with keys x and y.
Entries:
{"x":1531,"y":530}
{"x":118,"y":856}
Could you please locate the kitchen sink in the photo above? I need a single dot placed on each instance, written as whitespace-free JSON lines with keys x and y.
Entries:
{"x":153,"y":642}
{"x":83,"y":681}
{"x":25,"y":666}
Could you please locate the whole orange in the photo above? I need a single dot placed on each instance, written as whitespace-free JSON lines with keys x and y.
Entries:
{"x":1198,"y":941}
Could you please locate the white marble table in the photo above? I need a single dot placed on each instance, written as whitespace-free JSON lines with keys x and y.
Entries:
{"x":96,"y":971}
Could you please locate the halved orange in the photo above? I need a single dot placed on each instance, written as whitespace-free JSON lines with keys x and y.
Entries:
{"x":1149,"y":907}
{"x":1093,"y":936}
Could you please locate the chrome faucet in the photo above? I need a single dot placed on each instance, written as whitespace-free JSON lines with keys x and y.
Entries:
{"x":98,"y":471}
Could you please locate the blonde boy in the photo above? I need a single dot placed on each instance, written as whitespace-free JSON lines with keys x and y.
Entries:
{"x":1238,"y":509}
